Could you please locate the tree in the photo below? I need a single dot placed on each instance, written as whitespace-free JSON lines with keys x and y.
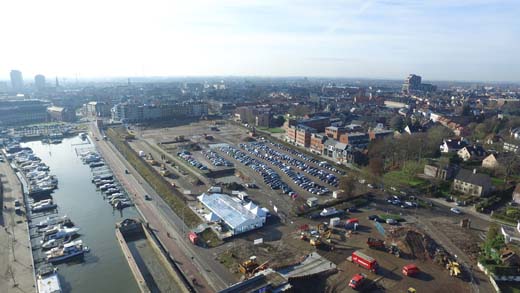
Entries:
{"x":376,"y":165}
{"x":348,"y":185}
{"x":397,"y":123}
{"x":300,"y":110}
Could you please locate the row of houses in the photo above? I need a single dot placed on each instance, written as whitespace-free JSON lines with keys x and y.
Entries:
{"x":343,"y":144}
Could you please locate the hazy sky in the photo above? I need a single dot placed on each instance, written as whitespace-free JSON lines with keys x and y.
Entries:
{"x":439,"y":39}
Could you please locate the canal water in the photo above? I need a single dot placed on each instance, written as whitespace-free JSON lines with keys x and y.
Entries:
{"x":104,"y":268}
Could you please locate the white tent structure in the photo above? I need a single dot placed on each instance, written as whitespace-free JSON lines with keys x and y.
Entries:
{"x":237,"y":217}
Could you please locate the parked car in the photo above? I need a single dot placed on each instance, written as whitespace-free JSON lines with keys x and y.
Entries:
{"x":456,"y":211}
{"x":391,"y":221}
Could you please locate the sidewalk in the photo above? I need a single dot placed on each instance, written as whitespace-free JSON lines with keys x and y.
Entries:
{"x":16,"y":261}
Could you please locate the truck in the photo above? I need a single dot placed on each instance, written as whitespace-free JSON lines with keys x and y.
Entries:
{"x":410,"y":270}
{"x":193,"y":237}
{"x":357,"y":281}
{"x":364,"y":261}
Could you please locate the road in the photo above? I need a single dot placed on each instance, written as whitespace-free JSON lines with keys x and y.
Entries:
{"x":197,"y":263}
{"x":16,"y":261}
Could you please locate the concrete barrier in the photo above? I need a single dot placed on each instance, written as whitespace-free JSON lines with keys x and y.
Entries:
{"x":131,"y":262}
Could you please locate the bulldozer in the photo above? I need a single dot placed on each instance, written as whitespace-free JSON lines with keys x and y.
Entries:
{"x":454,"y":268}
{"x":248,"y":266}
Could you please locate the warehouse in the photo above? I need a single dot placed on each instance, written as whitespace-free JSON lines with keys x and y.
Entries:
{"x":236,"y":217}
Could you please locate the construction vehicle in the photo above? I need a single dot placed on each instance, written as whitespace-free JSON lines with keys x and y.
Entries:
{"x":411,"y":290}
{"x":376,"y":243}
{"x":315,"y":241}
{"x":454,"y":268}
{"x":250,"y":267}
{"x":393,"y":249}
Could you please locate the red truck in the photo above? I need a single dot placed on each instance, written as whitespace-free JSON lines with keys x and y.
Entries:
{"x":194,"y":238}
{"x":364,"y":260}
{"x":410,"y":270}
{"x":357,"y":281}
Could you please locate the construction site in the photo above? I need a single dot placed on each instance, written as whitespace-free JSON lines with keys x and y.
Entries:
{"x":185,"y":156}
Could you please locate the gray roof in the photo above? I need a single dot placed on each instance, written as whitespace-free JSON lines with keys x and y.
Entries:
{"x":230,"y":211}
{"x":479,"y":179}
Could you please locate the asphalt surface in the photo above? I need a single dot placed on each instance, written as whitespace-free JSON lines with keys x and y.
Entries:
{"x":198,"y":264}
{"x":16,"y":261}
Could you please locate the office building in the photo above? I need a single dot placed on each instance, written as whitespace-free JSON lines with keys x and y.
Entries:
{"x":39,"y":82}
{"x":16,"y":80}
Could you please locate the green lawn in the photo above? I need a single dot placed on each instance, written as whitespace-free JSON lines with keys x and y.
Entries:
{"x":497,"y":181}
{"x":391,"y":216}
{"x":400,"y":178}
{"x":272,"y":130}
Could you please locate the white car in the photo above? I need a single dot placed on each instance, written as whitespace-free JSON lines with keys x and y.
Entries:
{"x":391,"y":221}
{"x":456,"y":211}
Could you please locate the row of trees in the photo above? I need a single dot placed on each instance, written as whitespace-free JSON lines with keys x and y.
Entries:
{"x":393,"y":153}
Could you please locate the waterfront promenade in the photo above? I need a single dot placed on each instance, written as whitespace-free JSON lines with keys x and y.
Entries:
{"x":16,"y":263}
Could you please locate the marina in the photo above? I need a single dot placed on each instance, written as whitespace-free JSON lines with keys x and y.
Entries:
{"x":70,"y":224}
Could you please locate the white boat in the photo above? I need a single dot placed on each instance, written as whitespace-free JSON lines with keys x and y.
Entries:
{"x":63,"y":233}
{"x":48,"y":281}
{"x":44,"y":207}
{"x":53,"y":221}
{"x":66,"y":252}
{"x":51,"y":243}
{"x":41,"y":202}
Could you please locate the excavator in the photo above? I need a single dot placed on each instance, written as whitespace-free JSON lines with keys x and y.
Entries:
{"x":454,"y":268}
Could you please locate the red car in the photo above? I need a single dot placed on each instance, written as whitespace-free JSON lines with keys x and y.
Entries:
{"x":357,"y":281}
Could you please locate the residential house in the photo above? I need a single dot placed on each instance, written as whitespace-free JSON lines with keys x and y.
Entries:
{"x":452,"y":145}
{"x":472,"y":152}
{"x":442,"y":173}
{"x":490,"y":162}
{"x":472,"y":183}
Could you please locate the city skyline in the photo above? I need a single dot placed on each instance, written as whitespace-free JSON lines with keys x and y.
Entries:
{"x":440,"y":40}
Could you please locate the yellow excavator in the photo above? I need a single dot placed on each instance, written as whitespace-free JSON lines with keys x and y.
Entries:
{"x":454,"y":268}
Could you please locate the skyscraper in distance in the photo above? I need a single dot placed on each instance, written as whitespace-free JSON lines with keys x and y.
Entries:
{"x":39,"y":82}
{"x":16,"y":80}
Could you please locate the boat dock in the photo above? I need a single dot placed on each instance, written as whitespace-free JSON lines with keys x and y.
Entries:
{"x":151,"y":267}
{"x":16,"y":260}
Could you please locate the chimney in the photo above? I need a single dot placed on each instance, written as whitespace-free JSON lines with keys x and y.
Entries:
{"x":474,"y":171}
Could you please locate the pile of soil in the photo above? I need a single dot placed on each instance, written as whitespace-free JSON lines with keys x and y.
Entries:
{"x":412,"y":243}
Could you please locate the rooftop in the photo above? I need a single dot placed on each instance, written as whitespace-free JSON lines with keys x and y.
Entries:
{"x":230,"y":211}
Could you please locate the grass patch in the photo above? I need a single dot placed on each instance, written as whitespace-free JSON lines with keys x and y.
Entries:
{"x":172,"y":196}
{"x":272,"y":130}
{"x":401,"y":178}
{"x":391,"y":216}
{"x":497,"y":181}
{"x":227,"y":259}
{"x":210,"y":238}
